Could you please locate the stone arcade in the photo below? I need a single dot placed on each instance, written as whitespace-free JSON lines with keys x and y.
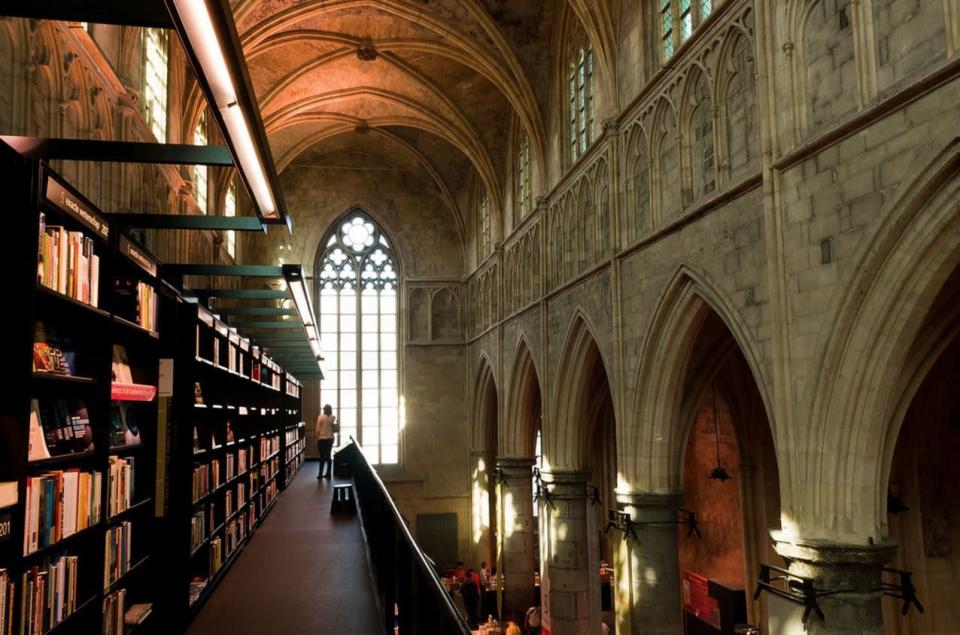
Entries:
{"x":627,"y":242}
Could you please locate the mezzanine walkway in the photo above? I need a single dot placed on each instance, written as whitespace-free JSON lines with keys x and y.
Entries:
{"x":303,"y":571}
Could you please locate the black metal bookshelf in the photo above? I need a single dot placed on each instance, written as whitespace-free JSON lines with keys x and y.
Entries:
{"x":136,"y":359}
{"x":228,"y":410}
{"x":81,"y":324}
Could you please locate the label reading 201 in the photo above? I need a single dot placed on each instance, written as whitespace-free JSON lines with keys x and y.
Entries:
{"x":6,"y":527}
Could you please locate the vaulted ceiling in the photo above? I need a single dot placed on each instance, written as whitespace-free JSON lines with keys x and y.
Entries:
{"x":431,"y":85}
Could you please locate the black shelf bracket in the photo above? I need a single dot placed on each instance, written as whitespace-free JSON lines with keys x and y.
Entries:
{"x":189,"y":221}
{"x":621,"y":521}
{"x":795,"y":588}
{"x":902,"y":589}
{"x":119,"y":151}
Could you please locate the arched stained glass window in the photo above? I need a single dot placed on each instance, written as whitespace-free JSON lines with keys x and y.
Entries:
{"x":358,"y":282}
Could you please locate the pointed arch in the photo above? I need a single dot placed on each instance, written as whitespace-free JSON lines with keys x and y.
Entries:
{"x":869,"y":351}
{"x":566,"y":439}
{"x":655,"y":464}
{"x":485,"y":406}
{"x":524,"y":404}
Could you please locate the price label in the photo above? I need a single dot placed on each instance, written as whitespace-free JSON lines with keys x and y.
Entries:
{"x":6,"y":527}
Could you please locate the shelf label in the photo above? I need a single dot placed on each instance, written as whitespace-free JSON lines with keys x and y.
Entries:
{"x":6,"y":526}
{"x":165,"y":382}
{"x":138,"y":256}
{"x":67,"y":202}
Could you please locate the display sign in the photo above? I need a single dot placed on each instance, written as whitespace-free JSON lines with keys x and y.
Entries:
{"x":697,"y":600}
{"x":71,"y":204}
{"x":138,"y":256}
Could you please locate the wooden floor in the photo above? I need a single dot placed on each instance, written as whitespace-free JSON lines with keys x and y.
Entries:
{"x":303,"y":571}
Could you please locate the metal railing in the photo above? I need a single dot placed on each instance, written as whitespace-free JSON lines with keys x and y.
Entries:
{"x":409,"y":589}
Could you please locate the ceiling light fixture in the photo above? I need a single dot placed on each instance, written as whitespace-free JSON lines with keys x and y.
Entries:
{"x":206,"y":43}
{"x":297,"y":283}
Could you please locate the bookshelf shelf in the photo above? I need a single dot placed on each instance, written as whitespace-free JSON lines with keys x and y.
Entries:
{"x":49,"y":299}
{"x":126,"y":450}
{"x":133,"y":510}
{"x":65,"y":543}
{"x":42,"y":465}
{"x":134,"y":328}
{"x":57,"y":378}
{"x":132,"y":392}
{"x":70,"y":619}
{"x":135,"y":568}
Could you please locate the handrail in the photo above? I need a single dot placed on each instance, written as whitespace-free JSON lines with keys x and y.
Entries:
{"x":412,"y":611}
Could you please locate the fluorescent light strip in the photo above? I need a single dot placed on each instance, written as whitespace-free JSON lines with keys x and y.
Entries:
{"x":206,"y":46}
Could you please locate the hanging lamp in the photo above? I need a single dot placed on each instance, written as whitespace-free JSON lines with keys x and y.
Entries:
{"x":718,"y":473}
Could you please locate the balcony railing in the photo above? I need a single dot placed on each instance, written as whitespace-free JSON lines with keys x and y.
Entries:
{"x":409,"y":589}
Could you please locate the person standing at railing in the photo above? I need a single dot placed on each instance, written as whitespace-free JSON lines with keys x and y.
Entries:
{"x":327,"y":427}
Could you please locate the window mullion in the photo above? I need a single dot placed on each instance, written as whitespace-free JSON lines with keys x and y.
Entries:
{"x":358,"y":344}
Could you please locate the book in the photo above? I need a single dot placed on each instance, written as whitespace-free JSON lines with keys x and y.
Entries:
{"x":65,"y":425}
{"x":113,"y":612}
{"x":124,"y":426}
{"x":52,"y":351}
{"x":121,"y":366}
{"x":37,"y":445}
{"x":48,"y":594}
{"x":67,"y":263}
{"x":117,"y":552}
{"x":58,"y":504}
{"x":8,"y":497}
{"x":6,"y":603}
{"x":137,"y":614}
{"x":120,"y":490}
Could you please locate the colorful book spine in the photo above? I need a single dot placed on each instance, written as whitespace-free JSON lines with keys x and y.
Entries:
{"x":113,"y":612}
{"x":67,"y":263}
{"x":48,"y":595}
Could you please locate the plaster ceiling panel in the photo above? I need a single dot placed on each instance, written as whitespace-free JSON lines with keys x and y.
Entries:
{"x":484,"y":106}
{"x":347,"y":75}
{"x":452,"y":165}
{"x":273,"y":63}
{"x":528,"y":25}
{"x":362,"y":22}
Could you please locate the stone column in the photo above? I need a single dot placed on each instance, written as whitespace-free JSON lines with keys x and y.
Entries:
{"x":570,"y":580}
{"x":851,"y":572}
{"x":648,"y":567}
{"x":482,"y":531}
{"x":517,"y":533}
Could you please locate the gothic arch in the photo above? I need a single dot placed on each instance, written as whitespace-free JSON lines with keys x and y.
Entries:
{"x":874,"y":338}
{"x":566,"y":433}
{"x":485,"y":405}
{"x":524,"y":403}
{"x":655,"y":464}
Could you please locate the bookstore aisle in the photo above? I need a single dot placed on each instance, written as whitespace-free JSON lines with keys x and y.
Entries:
{"x":304,"y":571}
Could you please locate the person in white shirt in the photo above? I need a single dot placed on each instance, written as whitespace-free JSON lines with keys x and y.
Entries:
{"x":326,"y":428}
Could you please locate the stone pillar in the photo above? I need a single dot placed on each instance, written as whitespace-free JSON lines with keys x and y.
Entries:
{"x":851,"y":572}
{"x":482,"y":529}
{"x":570,"y":580}
{"x":517,"y":556}
{"x":648,"y":567}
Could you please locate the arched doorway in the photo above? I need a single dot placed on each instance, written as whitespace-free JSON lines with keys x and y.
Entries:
{"x":518,"y":457}
{"x":923,"y":511}
{"x":579,"y":477}
{"x":730,"y":481}
{"x":483,"y":462}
